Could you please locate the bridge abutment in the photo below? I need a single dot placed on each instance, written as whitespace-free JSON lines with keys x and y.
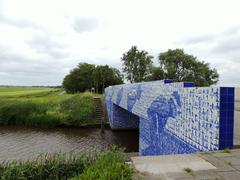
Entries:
{"x":123,"y":119}
{"x":173,"y":118}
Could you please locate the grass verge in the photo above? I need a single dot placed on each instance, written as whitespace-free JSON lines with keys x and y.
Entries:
{"x":226,"y":150}
{"x":106,"y":165}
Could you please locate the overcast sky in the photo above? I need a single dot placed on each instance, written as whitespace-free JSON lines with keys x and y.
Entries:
{"x":42,"y":40}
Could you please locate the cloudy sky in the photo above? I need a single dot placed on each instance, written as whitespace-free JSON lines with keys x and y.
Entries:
{"x":42,"y":40}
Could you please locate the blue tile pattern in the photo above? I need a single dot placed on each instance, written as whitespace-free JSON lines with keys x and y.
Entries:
{"x":226,"y":117}
{"x":189,"y":84}
{"x":173,"y":118}
{"x":123,"y":119}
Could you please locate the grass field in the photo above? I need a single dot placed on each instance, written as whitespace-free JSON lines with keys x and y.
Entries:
{"x":18,"y":91}
{"x":45,"y":107}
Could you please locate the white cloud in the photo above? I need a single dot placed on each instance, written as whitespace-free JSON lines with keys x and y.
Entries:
{"x":221,"y":50}
{"x":83,"y":24}
{"x":42,"y":40}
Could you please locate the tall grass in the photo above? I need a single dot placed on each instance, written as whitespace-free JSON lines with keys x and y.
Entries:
{"x":80,"y":108}
{"x":47,"y":109}
{"x":106,"y":165}
{"x":49,"y":167}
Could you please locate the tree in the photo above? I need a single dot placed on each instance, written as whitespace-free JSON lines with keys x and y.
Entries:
{"x":117,"y":77}
{"x":136,"y":64}
{"x":80,"y":79}
{"x":156,"y":74}
{"x":105,"y":76}
{"x":180,"y":66}
{"x":86,"y":76}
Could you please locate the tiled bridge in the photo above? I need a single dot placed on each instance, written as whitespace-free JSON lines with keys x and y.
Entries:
{"x":173,"y":118}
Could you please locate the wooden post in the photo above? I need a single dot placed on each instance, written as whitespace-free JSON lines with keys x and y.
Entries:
{"x":103,"y":117}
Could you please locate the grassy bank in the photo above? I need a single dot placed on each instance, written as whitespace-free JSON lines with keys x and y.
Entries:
{"x":45,"y":107}
{"x":106,"y":165}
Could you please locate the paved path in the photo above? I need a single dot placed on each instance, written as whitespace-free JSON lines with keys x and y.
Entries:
{"x":219,"y":165}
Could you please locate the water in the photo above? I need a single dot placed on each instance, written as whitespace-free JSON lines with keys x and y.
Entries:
{"x":27,"y":143}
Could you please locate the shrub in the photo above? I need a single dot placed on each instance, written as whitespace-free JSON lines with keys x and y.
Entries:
{"x":80,"y":108}
{"x":108,"y":165}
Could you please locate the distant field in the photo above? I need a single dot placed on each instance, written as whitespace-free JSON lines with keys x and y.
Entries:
{"x":19,"y":91}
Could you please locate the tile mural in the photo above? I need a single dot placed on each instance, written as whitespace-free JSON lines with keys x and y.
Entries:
{"x":173,"y":118}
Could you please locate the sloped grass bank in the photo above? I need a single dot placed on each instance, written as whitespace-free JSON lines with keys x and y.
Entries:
{"x":106,"y":165}
{"x":47,"y":109}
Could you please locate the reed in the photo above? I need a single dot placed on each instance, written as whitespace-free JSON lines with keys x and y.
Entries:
{"x":105,"y":165}
{"x":57,"y":166}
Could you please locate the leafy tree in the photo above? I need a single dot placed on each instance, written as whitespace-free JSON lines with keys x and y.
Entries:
{"x":180,"y":66}
{"x":117,"y":77}
{"x":136,"y":64}
{"x":105,"y":76}
{"x":156,"y":74}
{"x":69,"y":84}
{"x":80,"y":79}
{"x":87,"y":76}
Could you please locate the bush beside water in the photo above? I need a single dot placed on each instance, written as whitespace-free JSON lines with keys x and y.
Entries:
{"x":45,"y":168}
{"x":106,"y":166}
{"x":80,"y":109}
{"x":48,"y":109}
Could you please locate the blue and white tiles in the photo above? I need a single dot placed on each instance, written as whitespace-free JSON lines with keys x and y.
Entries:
{"x":173,"y":118}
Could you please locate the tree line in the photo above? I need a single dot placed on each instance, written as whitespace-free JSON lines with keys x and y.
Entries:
{"x":137,"y":66}
{"x":87,"y":76}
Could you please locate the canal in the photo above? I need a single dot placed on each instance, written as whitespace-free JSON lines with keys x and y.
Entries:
{"x":27,"y":143}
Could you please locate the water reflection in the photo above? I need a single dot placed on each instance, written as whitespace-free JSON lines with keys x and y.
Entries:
{"x":25,"y":143}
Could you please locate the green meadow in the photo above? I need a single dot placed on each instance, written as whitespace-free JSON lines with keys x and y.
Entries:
{"x":19,"y":91}
{"x":45,"y":107}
